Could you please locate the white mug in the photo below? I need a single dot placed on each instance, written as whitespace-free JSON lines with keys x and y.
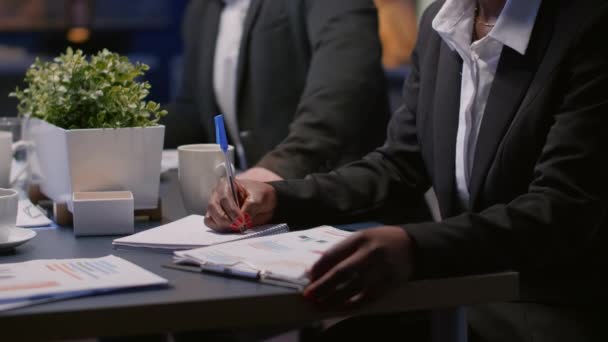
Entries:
{"x":200,"y":168}
{"x":7,"y":150}
{"x":8,"y":212}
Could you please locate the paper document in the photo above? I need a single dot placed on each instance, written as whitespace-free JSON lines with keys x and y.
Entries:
{"x":36,"y":281}
{"x":281,"y":259}
{"x":30,"y":216}
{"x":191,"y":232}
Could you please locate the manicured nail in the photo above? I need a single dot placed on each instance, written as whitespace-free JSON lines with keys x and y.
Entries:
{"x":247,"y":217}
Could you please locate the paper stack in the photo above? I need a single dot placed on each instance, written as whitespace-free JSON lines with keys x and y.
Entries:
{"x":40,"y":281}
{"x":280,"y":259}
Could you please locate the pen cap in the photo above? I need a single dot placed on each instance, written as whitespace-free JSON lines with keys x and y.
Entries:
{"x":220,"y":133}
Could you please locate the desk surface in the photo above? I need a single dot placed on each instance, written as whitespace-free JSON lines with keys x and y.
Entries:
{"x":204,"y":301}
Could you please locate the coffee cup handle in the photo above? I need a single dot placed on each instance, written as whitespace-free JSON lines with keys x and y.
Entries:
{"x":21,"y":144}
{"x":17,"y":146}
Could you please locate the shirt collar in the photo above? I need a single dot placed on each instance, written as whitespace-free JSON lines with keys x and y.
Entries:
{"x":515,"y":24}
{"x":236,"y":2}
{"x":513,"y":28}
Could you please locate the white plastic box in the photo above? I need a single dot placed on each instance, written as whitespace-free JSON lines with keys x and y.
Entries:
{"x":82,"y":160}
{"x":103,"y":213}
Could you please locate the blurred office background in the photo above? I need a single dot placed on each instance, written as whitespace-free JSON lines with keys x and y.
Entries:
{"x":148,"y":31}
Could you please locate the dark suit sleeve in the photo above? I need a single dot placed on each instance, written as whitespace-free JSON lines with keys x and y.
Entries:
{"x":393,"y":175}
{"x":565,"y":207}
{"x":344,"y":102}
{"x":183,"y":122}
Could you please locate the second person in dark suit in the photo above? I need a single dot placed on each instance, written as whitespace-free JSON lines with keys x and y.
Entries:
{"x":300,"y":82}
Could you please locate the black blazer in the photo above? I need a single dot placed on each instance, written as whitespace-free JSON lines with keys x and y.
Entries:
{"x":539,"y":186}
{"x":311,"y":90}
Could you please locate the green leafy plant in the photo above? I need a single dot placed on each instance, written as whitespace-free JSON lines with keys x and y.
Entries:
{"x":75,"y":92}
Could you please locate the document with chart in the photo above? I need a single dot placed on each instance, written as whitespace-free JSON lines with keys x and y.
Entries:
{"x":279,"y":259}
{"x":35,"y":281}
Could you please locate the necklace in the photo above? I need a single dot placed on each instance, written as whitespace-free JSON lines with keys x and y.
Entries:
{"x":483,"y":23}
{"x":479,"y":22}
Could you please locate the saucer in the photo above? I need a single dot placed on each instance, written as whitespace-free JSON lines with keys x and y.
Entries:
{"x":16,"y":237}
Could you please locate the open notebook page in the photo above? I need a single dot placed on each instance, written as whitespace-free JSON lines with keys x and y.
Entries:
{"x":191,"y":232}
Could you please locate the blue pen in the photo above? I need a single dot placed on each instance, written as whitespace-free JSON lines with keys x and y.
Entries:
{"x":220,"y":138}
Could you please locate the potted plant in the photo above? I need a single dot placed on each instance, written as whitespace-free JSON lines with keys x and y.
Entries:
{"x":91,"y":126}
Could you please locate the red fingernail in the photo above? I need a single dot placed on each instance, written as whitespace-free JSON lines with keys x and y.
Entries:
{"x":247,"y":217}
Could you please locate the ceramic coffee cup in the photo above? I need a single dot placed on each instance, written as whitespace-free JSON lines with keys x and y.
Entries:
{"x":200,"y":168}
{"x":6,"y":158}
{"x":7,"y":150}
{"x":8,"y":212}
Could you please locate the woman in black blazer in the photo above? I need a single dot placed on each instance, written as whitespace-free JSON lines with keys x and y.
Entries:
{"x":537,"y":190}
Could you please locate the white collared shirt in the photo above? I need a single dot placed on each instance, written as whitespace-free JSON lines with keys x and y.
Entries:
{"x":454,"y":23}
{"x":227,"y":49}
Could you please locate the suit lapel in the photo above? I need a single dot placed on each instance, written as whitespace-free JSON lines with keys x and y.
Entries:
{"x":252,"y":14}
{"x":209,"y":31}
{"x":511,"y":83}
{"x":445,"y":118}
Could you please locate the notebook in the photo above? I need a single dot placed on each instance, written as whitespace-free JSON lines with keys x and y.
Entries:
{"x":41,"y":281}
{"x":279,"y":260}
{"x":191,"y":232}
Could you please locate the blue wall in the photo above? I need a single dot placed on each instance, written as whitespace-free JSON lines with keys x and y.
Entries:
{"x":157,"y":45}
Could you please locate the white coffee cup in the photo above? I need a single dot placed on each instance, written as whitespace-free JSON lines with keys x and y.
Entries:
{"x":9,"y":200}
{"x":7,"y":150}
{"x":200,"y":168}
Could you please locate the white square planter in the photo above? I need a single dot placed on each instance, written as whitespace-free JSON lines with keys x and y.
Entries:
{"x":83,"y":160}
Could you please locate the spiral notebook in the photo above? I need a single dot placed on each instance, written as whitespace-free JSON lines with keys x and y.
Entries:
{"x":278,"y":260}
{"x":191,"y":232}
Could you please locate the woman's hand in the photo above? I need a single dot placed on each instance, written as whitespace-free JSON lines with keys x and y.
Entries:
{"x":258,"y":201}
{"x":361,"y":267}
